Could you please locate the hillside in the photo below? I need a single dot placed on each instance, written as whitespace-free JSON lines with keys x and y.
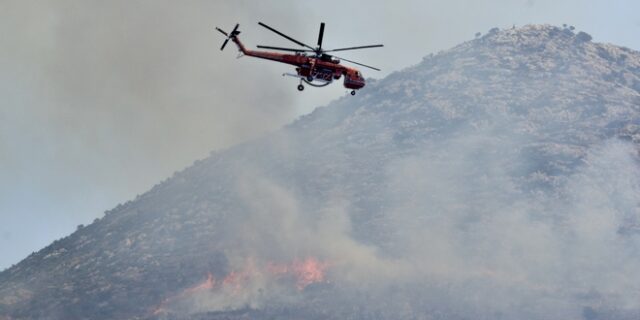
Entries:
{"x":495,"y":180}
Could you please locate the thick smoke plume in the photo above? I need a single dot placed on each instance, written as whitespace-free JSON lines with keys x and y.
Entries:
{"x":463,"y":236}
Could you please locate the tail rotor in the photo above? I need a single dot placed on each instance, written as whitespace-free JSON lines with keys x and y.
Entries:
{"x":231,"y":35}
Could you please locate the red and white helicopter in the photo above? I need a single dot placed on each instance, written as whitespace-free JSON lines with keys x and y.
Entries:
{"x":317,"y":69}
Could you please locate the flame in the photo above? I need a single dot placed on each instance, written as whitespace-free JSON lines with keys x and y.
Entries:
{"x":309,"y":271}
{"x":301,"y":272}
{"x":305,"y":272}
{"x":235,"y":281}
{"x":205,"y":285}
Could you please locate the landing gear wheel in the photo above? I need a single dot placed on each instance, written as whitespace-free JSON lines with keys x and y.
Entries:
{"x":300,"y":87}
{"x":309,"y":78}
{"x":353,"y":92}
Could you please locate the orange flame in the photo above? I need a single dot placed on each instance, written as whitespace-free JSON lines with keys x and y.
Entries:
{"x":205,"y":285}
{"x":302,"y":272}
{"x":305,"y":272}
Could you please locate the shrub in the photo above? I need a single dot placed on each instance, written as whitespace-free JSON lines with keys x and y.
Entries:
{"x":583,"y":37}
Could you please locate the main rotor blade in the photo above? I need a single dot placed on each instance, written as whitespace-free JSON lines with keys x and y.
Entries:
{"x":285,"y":36}
{"x":354,"y":48}
{"x":225,"y":34}
{"x":235,"y":28}
{"x":320,"y":35}
{"x":358,"y":63}
{"x":283,"y":49}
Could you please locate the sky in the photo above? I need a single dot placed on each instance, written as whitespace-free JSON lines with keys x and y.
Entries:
{"x":102,"y":100}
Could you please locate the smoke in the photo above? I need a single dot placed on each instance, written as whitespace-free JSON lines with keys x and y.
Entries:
{"x":102,"y":100}
{"x":460,"y":217}
{"x":119,"y":77}
{"x":274,"y":229}
{"x":278,"y":226}
{"x":466,"y":236}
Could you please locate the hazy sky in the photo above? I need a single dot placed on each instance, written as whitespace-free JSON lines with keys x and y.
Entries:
{"x":100,"y":100}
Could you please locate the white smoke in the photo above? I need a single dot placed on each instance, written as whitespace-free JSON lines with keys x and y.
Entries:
{"x":465,"y":235}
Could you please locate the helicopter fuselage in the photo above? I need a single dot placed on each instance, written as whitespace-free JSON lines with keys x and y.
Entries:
{"x":310,"y":68}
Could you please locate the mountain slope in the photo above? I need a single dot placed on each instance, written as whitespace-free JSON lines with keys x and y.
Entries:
{"x":495,"y":180}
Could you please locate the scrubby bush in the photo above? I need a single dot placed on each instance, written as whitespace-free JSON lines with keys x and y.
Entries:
{"x":583,"y":37}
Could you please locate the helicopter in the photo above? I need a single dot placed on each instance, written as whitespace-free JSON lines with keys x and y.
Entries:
{"x":317,"y":69}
